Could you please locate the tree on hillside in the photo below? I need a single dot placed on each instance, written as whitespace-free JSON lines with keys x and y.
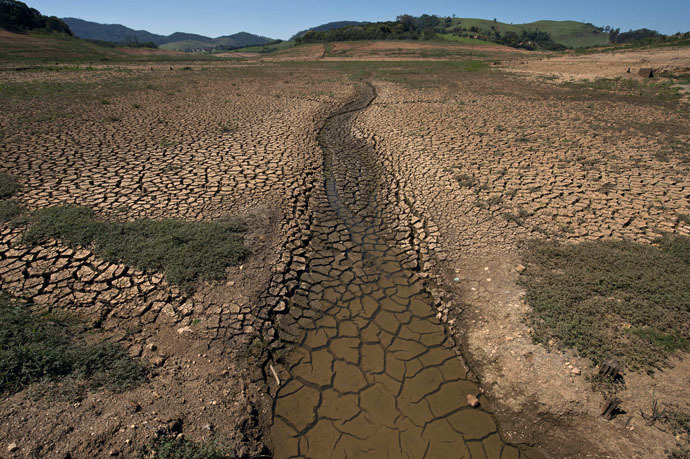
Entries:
{"x":613,"y":34}
{"x":18,"y":17}
{"x":407,"y":21}
{"x":632,"y":35}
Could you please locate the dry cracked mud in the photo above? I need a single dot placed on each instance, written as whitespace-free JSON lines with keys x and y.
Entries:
{"x":384,"y":227}
{"x":374,"y":373}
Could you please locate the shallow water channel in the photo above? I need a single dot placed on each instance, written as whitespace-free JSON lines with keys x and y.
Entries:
{"x":373,"y":372}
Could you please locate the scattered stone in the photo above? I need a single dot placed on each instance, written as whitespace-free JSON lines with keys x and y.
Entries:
{"x":133,"y":407}
{"x":472,"y":401}
{"x":520,"y":268}
{"x":12,"y":447}
{"x":646,"y":72}
{"x":609,"y":407}
{"x":610,"y":368}
{"x":575,"y":370}
{"x":174,"y":425}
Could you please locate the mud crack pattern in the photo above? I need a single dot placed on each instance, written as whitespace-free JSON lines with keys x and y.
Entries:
{"x":373,"y":372}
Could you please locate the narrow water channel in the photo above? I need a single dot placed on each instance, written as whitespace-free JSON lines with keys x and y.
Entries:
{"x":373,"y":372}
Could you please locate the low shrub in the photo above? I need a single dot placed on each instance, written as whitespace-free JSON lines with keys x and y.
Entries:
{"x":612,"y":298}
{"x":185,"y":251}
{"x":8,"y":185}
{"x":37,"y":347}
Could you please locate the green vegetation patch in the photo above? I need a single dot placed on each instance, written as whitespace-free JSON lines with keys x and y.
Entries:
{"x":172,"y":448}
{"x":10,"y":210}
{"x":8,"y":186}
{"x":411,"y":74}
{"x":612,"y":298}
{"x":632,"y":91}
{"x":186,"y":251}
{"x":36,"y":348}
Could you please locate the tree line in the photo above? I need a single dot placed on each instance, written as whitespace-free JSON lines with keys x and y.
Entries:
{"x":427,"y":27}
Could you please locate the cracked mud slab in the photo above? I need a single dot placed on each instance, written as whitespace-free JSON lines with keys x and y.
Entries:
{"x":373,"y":372}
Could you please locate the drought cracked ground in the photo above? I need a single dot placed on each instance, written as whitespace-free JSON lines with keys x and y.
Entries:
{"x":374,"y":372}
{"x":384,"y":223}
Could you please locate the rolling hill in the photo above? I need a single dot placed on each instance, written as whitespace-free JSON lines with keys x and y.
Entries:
{"x":178,"y":41}
{"x":548,"y":35}
{"x":572,"y":34}
{"x":326,"y":27}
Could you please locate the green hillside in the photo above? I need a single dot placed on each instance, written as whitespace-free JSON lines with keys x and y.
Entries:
{"x":569,"y":33}
{"x":269,"y":48}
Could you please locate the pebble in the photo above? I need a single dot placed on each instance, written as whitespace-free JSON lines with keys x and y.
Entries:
{"x":12,"y":447}
{"x":472,"y":401}
{"x":575,"y":371}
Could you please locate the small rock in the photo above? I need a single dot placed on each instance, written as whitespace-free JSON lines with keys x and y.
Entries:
{"x":114,"y":452}
{"x":575,"y":371}
{"x":151,"y":347}
{"x":520,"y":268}
{"x":175,"y":425}
{"x":472,"y":401}
{"x":135,"y":350}
{"x":12,"y":447}
{"x":133,"y":407}
{"x":184,"y":330}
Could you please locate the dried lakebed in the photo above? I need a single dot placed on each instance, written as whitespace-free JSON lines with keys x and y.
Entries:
{"x":372,"y":372}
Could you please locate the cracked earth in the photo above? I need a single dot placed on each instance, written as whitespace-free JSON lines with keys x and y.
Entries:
{"x":385,"y":219}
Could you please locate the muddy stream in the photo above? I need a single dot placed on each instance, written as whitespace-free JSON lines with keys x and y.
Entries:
{"x":373,"y":372}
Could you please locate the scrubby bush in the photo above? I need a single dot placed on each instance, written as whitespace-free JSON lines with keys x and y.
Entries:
{"x":612,"y":298}
{"x":37,"y":347}
{"x":185,"y":251}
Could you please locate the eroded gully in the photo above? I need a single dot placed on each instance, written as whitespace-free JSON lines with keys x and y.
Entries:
{"x":373,"y":372}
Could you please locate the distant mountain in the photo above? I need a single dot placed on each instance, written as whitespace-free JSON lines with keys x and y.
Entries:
{"x":178,"y":41}
{"x":18,"y":17}
{"x":327,"y":27}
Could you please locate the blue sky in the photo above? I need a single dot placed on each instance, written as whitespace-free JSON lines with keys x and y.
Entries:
{"x":281,"y":19}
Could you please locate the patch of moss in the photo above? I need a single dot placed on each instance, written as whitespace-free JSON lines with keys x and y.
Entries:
{"x":185,"y":251}
{"x":612,"y":298}
{"x":36,"y":348}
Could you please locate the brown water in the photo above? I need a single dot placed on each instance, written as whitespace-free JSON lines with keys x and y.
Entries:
{"x":374,"y":373}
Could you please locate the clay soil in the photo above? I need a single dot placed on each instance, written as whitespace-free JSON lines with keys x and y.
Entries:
{"x":474,"y":163}
{"x":190,"y":144}
{"x":609,"y":64}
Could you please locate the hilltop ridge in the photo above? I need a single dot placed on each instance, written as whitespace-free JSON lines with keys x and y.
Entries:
{"x":178,"y":41}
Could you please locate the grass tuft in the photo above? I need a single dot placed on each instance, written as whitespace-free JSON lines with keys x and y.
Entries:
{"x":36,"y":348}
{"x":8,"y":186}
{"x":185,"y":251}
{"x":173,"y":448}
{"x":10,"y":210}
{"x":612,"y":298}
